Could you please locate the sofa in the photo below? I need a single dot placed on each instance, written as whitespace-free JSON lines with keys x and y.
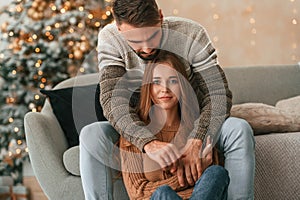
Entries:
{"x":277,"y":154}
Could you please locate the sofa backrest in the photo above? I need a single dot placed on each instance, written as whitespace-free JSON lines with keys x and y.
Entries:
{"x":263,"y":84}
{"x":260,"y":84}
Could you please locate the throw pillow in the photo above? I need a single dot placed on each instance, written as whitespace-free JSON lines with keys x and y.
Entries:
{"x":71,"y":160}
{"x":266,"y":119}
{"x":74,"y":108}
{"x":291,"y":105}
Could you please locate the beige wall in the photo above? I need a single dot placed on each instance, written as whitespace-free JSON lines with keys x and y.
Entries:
{"x":246,"y":32}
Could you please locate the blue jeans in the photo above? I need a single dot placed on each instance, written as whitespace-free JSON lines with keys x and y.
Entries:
{"x":98,"y":165}
{"x":212,"y":184}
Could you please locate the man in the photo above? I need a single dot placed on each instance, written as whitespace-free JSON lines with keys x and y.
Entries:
{"x":124,"y":48}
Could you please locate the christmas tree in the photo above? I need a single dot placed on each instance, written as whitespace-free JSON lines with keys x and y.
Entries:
{"x":46,"y":41}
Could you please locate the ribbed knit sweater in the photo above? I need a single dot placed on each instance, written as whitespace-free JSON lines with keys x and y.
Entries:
{"x":121,"y":71}
{"x":142,"y":176}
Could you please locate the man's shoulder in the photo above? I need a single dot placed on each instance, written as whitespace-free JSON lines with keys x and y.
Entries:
{"x":175,"y":22}
{"x":109,"y":29}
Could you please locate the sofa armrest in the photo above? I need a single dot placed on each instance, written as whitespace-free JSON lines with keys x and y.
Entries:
{"x":46,"y":143}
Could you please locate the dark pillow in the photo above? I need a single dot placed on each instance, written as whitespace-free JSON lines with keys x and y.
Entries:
{"x":74,"y":108}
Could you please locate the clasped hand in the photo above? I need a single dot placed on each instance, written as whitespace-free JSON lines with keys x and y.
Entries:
{"x":187,"y":162}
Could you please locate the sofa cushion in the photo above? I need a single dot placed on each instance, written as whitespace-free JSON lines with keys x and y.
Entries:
{"x":75,"y":107}
{"x":71,"y":160}
{"x":266,"y":119}
{"x":291,"y":105}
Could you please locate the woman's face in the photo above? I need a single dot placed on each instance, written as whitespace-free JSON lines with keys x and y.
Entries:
{"x":165,"y":87}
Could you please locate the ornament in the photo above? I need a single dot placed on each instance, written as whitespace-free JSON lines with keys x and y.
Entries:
{"x":72,"y":70}
{"x":38,"y":9}
{"x":11,"y":100}
{"x":4,"y":27}
{"x":73,"y":20}
{"x":84,"y":46}
{"x":78,"y":54}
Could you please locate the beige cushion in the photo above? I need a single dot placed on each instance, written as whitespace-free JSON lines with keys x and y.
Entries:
{"x":267,"y":119}
{"x":71,"y":160}
{"x":291,"y":105}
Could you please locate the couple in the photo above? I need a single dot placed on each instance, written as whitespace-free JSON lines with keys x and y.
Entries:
{"x":125,"y":49}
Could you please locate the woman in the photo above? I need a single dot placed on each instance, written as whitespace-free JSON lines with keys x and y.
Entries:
{"x":166,"y":108}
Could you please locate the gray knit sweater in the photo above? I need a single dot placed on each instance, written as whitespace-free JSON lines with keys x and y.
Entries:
{"x":121,"y":71}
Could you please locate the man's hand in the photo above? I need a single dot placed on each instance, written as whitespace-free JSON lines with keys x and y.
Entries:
{"x":165,"y":154}
{"x":191,"y":165}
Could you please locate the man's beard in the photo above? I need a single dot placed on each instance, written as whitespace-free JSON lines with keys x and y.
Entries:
{"x":154,"y":52}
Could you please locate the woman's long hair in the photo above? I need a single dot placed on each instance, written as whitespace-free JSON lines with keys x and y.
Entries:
{"x":188,"y":103}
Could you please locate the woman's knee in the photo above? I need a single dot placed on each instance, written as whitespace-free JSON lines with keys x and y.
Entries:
{"x":218,"y":174}
{"x":161,"y":192}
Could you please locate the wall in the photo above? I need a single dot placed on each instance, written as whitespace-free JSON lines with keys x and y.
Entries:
{"x":246,"y":32}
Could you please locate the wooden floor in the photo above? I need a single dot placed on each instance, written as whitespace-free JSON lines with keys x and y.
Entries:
{"x":35,"y":191}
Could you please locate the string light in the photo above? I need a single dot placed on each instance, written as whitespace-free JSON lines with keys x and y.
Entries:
{"x":294,"y":22}
{"x":34,"y":36}
{"x":18,"y":151}
{"x":80,"y":25}
{"x":97,"y":24}
{"x":53,"y":7}
{"x":81,"y":8}
{"x":175,"y":11}
{"x":37,"y":65}
{"x":37,"y":50}
{"x":215,"y":16}
{"x":90,"y":16}
{"x":11,"y":120}
{"x":16,"y":129}
{"x":63,"y":10}
{"x":43,"y":80}
{"x":36,"y":97}
{"x":48,"y":28}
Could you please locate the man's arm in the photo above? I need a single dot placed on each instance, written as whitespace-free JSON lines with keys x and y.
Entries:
{"x":114,"y":98}
{"x":215,"y":101}
{"x":211,"y":87}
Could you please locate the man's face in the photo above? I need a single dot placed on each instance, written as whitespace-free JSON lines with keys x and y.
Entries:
{"x":144,"y":41}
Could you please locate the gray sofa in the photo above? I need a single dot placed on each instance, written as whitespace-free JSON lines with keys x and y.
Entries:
{"x":277,"y":154}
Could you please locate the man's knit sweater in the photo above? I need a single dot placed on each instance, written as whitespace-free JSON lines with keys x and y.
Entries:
{"x":121,"y":71}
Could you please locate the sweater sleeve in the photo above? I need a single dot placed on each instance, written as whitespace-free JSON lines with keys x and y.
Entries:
{"x":115,"y":94}
{"x":138,"y":187}
{"x":115,"y":100}
{"x":211,"y":87}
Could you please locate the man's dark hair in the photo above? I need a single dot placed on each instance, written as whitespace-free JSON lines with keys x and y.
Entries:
{"x":138,"y":13}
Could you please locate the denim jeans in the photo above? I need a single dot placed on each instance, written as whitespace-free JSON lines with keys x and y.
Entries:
{"x":212,"y":184}
{"x":98,"y":165}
